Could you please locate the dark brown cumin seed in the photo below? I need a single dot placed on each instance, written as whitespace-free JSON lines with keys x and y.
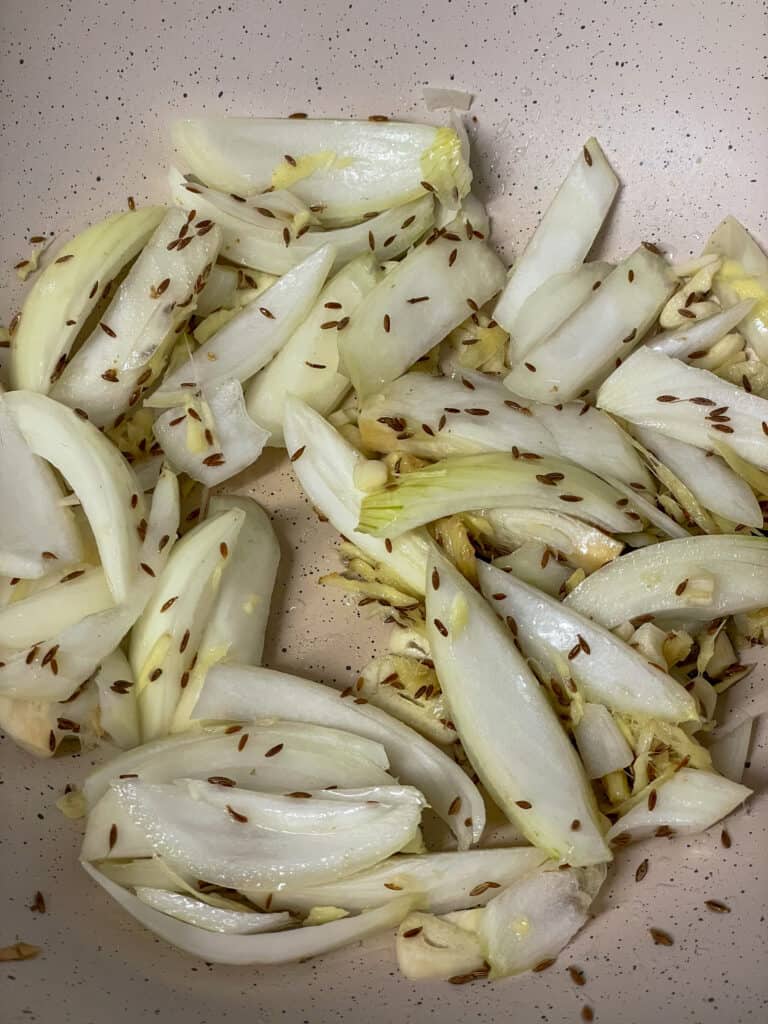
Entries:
{"x":241,"y":818}
{"x":435,"y":579}
{"x":570,"y":497}
{"x":242,"y":741}
{"x":221,"y":780}
{"x":274,"y":750}
{"x":224,"y":549}
{"x":623,"y":839}
{"x":147,"y":569}
{"x":67,"y":725}
{"x":408,"y":221}
{"x":155,"y":674}
{"x":530,"y":367}
{"x":184,"y":641}
{"x":184,"y":680}
{"x":168,"y":603}
{"x":217,"y":459}
{"x":467,"y":384}
{"x":667,"y":398}
{"x":65,"y":259}
{"x":112,"y":836}
{"x":297,"y":116}
{"x":342,"y":323}
{"x":371,"y":241}
{"x":587,"y":1014}
{"x":329,"y":325}
{"x":412,"y":932}
{"x":128,"y":775}
{"x":300,"y":795}
{"x":110,"y":375}
{"x":575,"y":825}
{"x":387,"y":323}
{"x":286,"y":236}
{"x":587,"y":157}
{"x":107,"y":330}
{"x":440,"y":627}
{"x":525,"y":805}
{"x":72,"y":575}
{"x":689,"y":314}
{"x":680,"y":588}
{"x":52,"y":744}
{"x":93,"y":290}
{"x":577,"y":976}
{"x":298,"y":453}
{"x":574,"y":652}
{"x":717,"y":907}
{"x":630,"y":337}
{"x":723,"y":428}
{"x":550,"y":479}
{"x":121,"y":686}
{"x":418,"y":298}
{"x":455,"y":805}
{"x":50,"y":654}
{"x":427,"y":186}
{"x":660,"y":937}
{"x":653,"y":797}
{"x":642,"y":869}
{"x":498,"y":597}
{"x":484,"y":887}
{"x":544,"y":965}
{"x":725,"y":839}
{"x":664,"y":832}
{"x":389,"y":241}
{"x":452,"y":257}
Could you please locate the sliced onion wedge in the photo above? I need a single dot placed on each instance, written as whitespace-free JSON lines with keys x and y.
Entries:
{"x":250,"y":339}
{"x":722,"y":575}
{"x":241,"y":838}
{"x":96,"y":471}
{"x":109,"y":372}
{"x":212,"y":919}
{"x":236,"y":692}
{"x":416,"y":305}
{"x":36,"y":531}
{"x":601,"y":744}
{"x":308,"y":365}
{"x":583,"y":545}
{"x":568,"y":645}
{"x":118,"y":704}
{"x":52,"y":609}
{"x":65,"y":294}
{"x":508,"y":729}
{"x":566,"y":232}
{"x":498,"y":480}
{"x":585,"y":347}
{"x":278,"y":948}
{"x":701,"y":335}
{"x":344,"y":169}
{"x":326,"y":466}
{"x":689,"y":802}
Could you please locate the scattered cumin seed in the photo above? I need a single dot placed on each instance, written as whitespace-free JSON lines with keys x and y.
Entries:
{"x":38,"y":903}
{"x":426,"y":185}
{"x":286,"y":237}
{"x":242,"y":742}
{"x":725,"y":839}
{"x":577,"y":976}
{"x":653,"y":797}
{"x":171,"y":601}
{"x":587,"y":1014}
{"x":530,"y":367}
{"x":455,"y":806}
{"x":221,"y":780}
{"x":642,"y":870}
{"x":112,"y":836}
{"x":72,"y":575}
{"x":717,"y":907}
{"x":371,"y":241}
{"x":236,"y":815}
{"x":440,"y":627}
{"x":544,"y":965}
{"x":687,"y":313}
{"x":452,"y":257}
{"x":630,"y":337}
{"x":155,"y":674}
{"x":298,"y":453}
{"x":412,"y":932}
{"x":623,"y":839}
{"x":525,"y":805}
{"x":147,"y":569}
{"x":300,"y":795}
{"x":393,"y":886}
{"x":661,"y":938}
{"x":387,"y":323}
{"x":418,"y":298}
{"x":121,"y":686}
{"x":587,"y":157}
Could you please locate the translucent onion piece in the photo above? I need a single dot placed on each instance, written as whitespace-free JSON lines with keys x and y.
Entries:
{"x":308,"y":364}
{"x":601,"y":744}
{"x":689,"y":802}
{"x":198,"y":827}
{"x":649,"y":581}
{"x":648,"y":510}
{"x":39,"y":726}
{"x":534,"y":563}
{"x":164,"y":642}
{"x":253,"y":240}
{"x":551,"y":304}
{"x":212,"y":919}
{"x":326,"y":466}
{"x":250,"y":339}
{"x":118,"y":705}
{"x":566,"y":232}
{"x":236,"y":692}
{"x":52,"y":609}
{"x":744,"y":275}
{"x":79,"y":650}
{"x":301,"y":756}
{"x":585,"y":347}
{"x":584,"y":546}
{"x":707,"y":476}
{"x":438,"y":882}
{"x":390,"y":332}
{"x":534,"y":919}
{"x":701,"y":335}
{"x":729,"y":753}
{"x":568,"y":645}
{"x":508,"y":728}
{"x":65,"y":294}
{"x":98,"y":474}
{"x":32,"y":520}
{"x":688,"y":398}
{"x":498,"y":480}
{"x":233,"y":442}
{"x":344,"y":169}
{"x":106,"y":375}
{"x":278,"y":948}
{"x":431,"y":947}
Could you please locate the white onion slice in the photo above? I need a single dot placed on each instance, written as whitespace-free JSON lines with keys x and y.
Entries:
{"x":212,"y":919}
{"x":54,"y":608}
{"x":602,"y":746}
{"x":701,"y":335}
{"x":118,"y":704}
{"x":729,"y":753}
{"x":583,"y":545}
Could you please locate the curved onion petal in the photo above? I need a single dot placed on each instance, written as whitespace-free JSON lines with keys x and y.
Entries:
{"x":508,"y":728}
{"x":308,"y":364}
{"x":653,"y":390}
{"x":250,"y":339}
{"x":80,"y":649}
{"x":345,"y":168}
{"x":212,"y":919}
{"x":390,"y":332}
{"x":65,"y":294}
{"x":97,"y":473}
{"x":438,"y":882}
{"x":278,"y":948}
{"x":551,"y":304}
{"x":567,"y":644}
{"x":164,"y":641}
{"x":566,"y":231}
{"x":238,"y":622}
{"x":743,"y":275}
{"x":236,"y":692}
{"x":253,"y":239}
{"x":701,"y":335}
{"x":712,"y":482}
{"x":107,"y":374}
{"x":33,"y":524}
{"x":39,"y":726}
{"x":649,"y":511}
{"x":535,"y":918}
{"x":585,"y":347}
{"x":300,"y":757}
{"x":241,"y":838}
{"x":584,"y":546}
{"x":497,"y":480}
{"x":54,"y":608}
{"x":326,"y":465}
{"x":733,"y":570}
{"x":689,"y":802}
{"x":232,"y":442}
{"x":533,"y":563}
{"x":602,"y":746}
{"x":118,"y":705}
{"x":433,"y":947}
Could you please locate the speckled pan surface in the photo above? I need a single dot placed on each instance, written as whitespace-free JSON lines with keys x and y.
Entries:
{"x":676,"y":93}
